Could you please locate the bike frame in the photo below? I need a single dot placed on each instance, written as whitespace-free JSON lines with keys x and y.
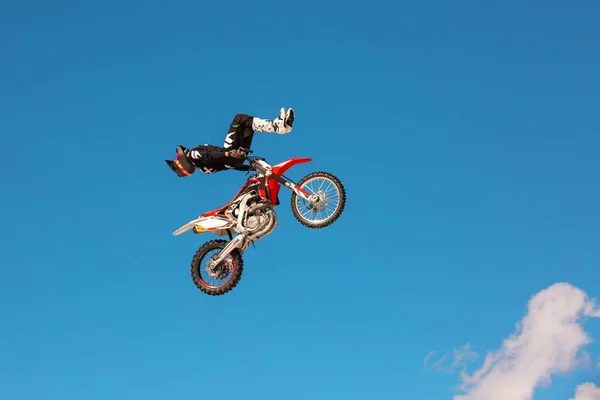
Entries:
{"x":268,"y":179}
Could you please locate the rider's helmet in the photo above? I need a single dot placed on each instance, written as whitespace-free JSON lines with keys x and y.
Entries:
{"x":181,"y":165}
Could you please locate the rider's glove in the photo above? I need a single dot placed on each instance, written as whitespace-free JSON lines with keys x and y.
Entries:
{"x":236,"y":154}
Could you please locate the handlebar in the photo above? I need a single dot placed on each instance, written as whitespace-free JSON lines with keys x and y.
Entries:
{"x":247,"y":157}
{"x":251,"y":159}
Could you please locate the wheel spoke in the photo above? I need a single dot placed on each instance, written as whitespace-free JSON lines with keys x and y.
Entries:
{"x":328,"y":193}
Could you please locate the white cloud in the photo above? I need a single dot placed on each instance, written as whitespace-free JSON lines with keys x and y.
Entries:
{"x":460,"y":356}
{"x":463,"y":354}
{"x":428,"y":356}
{"x":437,"y":365}
{"x":587,"y":391}
{"x":547,"y":341}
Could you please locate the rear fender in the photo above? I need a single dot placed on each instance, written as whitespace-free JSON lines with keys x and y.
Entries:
{"x":207,"y":224}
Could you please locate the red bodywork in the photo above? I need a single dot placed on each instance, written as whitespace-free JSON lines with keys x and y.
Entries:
{"x":279,"y":170}
{"x":271,"y":185}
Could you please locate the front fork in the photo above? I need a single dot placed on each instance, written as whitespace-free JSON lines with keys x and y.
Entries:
{"x":311,"y":198}
{"x":290,"y":185}
{"x":293,"y":187}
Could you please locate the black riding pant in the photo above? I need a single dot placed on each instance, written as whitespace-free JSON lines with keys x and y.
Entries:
{"x":210,"y":159}
{"x":240,"y":133}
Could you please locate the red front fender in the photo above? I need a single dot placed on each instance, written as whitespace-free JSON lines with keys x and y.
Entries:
{"x":280,"y":168}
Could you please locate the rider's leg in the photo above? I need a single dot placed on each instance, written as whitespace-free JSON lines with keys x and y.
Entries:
{"x":281,"y":125}
{"x":240,"y":133}
{"x":242,"y":128}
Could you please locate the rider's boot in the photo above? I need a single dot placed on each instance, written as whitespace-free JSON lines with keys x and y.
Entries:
{"x":281,"y":125}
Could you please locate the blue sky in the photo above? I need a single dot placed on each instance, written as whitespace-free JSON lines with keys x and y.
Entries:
{"x":466,"y":135}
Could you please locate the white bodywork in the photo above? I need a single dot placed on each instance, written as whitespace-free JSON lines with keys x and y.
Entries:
{"x":214,"y":224}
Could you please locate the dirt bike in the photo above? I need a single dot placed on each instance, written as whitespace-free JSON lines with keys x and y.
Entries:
{"x":250,"y":216}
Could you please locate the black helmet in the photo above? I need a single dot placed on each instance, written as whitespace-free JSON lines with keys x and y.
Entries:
{"x":181,"y":165}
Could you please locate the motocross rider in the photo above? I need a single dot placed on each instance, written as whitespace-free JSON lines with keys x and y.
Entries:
{"x":210,"y":159}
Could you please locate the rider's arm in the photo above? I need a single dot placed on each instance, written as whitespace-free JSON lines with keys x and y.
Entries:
{"x":225,"y":157}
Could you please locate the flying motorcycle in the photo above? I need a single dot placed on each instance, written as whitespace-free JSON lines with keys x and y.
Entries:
{"x":317,"y":201}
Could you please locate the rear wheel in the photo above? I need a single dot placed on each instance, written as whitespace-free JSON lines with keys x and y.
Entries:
{"x":328,"y":199}
{"x":224,"y":277}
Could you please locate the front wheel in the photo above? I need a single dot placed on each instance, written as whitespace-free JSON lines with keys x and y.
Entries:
{"x":327,"y":203}
{"x":224,"y":277}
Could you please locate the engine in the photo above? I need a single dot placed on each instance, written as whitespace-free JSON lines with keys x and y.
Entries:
{"x":260,"y":221}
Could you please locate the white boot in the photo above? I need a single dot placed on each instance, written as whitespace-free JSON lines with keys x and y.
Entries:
{"x":281,"y":125}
